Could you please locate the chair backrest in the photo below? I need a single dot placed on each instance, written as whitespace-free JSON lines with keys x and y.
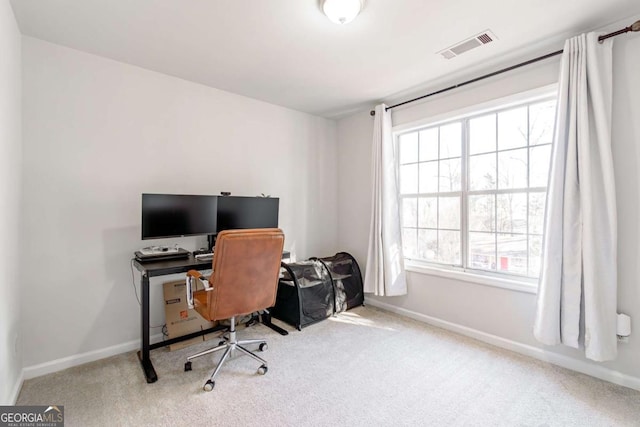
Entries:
{"x":246,"y":266}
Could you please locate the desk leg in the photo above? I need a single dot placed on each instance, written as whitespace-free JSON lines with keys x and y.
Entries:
{"x":266,"y":320}
{"x":143,"y":354}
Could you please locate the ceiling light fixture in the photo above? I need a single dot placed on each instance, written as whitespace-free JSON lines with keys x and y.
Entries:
{"x":342,"y":11}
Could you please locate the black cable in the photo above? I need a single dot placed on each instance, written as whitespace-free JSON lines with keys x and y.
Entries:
{"x":135,"y":290}
{"x":133,"y":282}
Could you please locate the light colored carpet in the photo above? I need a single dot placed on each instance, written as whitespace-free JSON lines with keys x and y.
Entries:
{"x":364,"y":367}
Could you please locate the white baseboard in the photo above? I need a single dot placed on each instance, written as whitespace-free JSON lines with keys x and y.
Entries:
{"x":80,"y":359}
{"x":581,"y":366}
{"x":13,"y":397}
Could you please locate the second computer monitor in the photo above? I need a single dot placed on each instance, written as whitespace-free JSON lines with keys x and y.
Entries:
{"x":247,"y":212}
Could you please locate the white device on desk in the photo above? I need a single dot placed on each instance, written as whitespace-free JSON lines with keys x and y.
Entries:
{"x":158,"y":250}
{"x":204,"y":254}
{"x":205,"y":257}
{"x":159,"y":253}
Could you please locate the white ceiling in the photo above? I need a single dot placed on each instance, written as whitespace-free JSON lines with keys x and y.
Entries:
{"x":288,"y":53}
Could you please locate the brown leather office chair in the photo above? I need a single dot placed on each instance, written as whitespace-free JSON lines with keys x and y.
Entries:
{"x":246,"y":265}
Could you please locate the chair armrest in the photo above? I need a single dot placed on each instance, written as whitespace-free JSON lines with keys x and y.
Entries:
{"x":191,"y":275}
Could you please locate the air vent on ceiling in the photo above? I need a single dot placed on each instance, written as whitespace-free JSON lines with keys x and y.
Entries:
{"x":466,"y":45}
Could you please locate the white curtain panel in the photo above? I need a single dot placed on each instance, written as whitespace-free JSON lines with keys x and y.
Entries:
{"x":385,"y":274}
{"x":579,"y":277}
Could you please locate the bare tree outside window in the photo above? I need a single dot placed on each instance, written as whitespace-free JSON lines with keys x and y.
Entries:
{"x":484,"y":176}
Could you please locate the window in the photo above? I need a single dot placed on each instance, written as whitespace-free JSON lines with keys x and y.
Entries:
{"x":473,"y":190}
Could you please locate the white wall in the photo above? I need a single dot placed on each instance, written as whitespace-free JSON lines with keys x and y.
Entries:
{"x":505,"y":313}
{"x":10,"y":164}
{"x":97,"y":134}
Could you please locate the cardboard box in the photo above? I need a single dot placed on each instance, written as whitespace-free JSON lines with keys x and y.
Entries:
{"x":180,"y":319}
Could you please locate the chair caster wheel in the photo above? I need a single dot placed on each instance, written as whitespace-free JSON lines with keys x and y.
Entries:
{"x":222,"y":343}
{"x":208,"y":386}
{"x":263,"y":346}
{"x":262,"y":369}
{"x":187,"y":366}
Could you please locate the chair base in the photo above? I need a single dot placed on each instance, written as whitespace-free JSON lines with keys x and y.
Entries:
{"x":230,"y":346}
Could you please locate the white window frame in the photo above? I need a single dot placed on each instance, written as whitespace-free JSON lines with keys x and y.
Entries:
{"x":483,"y":277}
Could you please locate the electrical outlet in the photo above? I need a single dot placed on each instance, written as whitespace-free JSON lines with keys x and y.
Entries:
{"x":624,"y":340}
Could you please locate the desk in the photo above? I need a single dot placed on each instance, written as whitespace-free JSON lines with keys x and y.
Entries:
{"x":150,"y":269}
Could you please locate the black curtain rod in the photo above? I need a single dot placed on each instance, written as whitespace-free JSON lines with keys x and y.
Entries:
{"x":633,"y":27}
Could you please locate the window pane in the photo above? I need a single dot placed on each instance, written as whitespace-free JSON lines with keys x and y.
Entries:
{"x":408,"y":146}
{"x":427,"y":244}
{"x":482,"y":172}
{"x":512,"y":128}
{"x":410,"y":242}
{"x":409,"y":212}
{"x":427,"y":212}
{"x":409,"y":179}
{"x":450,"y":140}
{"x":482,"y":134}
{"x":512,"y":169}
{"x":429,"y":177}
{"x":429,"y":144}
{"x":541,"y":121}
{"x":512,"y":253}
{"x":536,"y":212}
{"x":482,"y":213}
{"x":449,"y":212}
{"x":449,"y":247}
{"x":450,"y":175}
{"x":512,"y":212}
{"x":482,"y":251}
{"x":507,"y":154}
{"x":535,"y":257}
{"x":540,"y":160}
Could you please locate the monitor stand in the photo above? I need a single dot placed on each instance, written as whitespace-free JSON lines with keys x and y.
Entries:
{"x":211,"y":241}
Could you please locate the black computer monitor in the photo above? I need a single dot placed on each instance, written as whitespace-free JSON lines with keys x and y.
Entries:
{"x":175,"y":215}
{"x":247,"y":212}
